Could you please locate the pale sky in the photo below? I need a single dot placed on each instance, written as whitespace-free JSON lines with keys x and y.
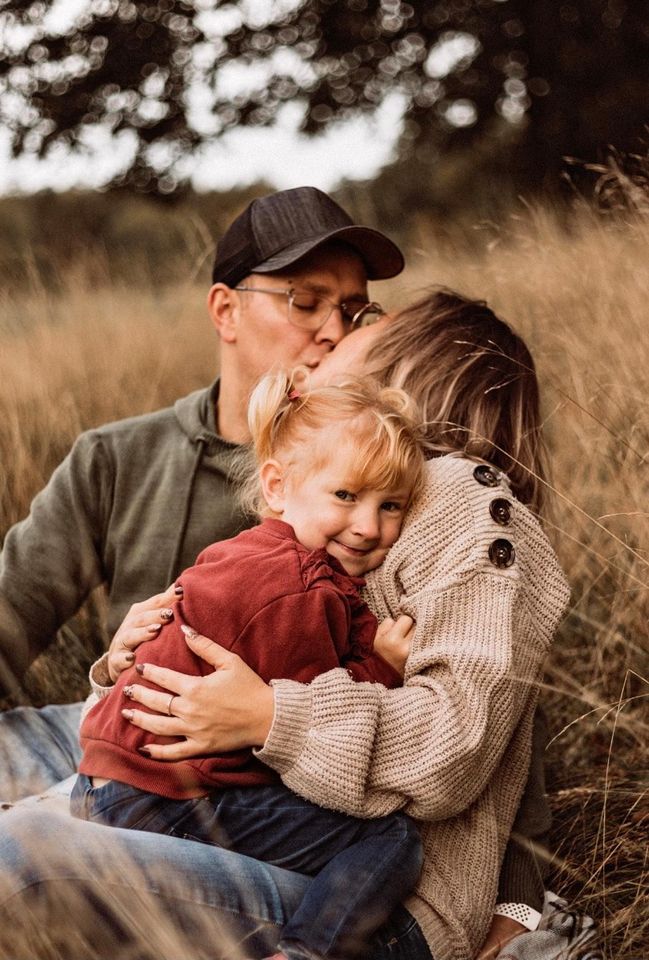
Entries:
{"x":356,"y":150}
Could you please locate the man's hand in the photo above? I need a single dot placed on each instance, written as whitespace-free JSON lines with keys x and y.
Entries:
{"x":393,"y":640}
{"x":501,"y":932}
{"x":228,"y":709}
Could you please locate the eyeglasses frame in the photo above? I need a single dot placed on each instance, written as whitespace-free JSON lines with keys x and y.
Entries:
{"x":290,"y":294}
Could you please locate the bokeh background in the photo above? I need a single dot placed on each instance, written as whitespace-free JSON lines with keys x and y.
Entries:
{"x":503,"y":144}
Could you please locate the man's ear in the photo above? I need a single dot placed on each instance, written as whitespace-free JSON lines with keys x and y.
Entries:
{"x":224,"y":309}
{"x":271,"y":475}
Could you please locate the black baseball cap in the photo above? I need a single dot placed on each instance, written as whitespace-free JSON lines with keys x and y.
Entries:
{"x":276,"y":231}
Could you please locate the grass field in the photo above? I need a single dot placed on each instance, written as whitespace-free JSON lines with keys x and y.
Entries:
{"x":579,"y":293}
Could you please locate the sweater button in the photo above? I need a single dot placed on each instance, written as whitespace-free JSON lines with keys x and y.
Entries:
{"x":502,"y":553}
{"x":486,"y":476}
{"x":501,"y":511}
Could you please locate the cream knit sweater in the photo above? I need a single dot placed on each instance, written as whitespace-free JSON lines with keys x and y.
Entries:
{"x":452,"y":746}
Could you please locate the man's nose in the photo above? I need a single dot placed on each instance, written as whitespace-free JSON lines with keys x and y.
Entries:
{"x":333,"y":330}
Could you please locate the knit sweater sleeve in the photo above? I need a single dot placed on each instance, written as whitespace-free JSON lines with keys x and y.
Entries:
{"x":51,"y":560}
{"x":482,"y":633}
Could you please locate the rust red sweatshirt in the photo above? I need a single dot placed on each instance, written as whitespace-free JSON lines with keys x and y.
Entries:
{"x":289,"y":612}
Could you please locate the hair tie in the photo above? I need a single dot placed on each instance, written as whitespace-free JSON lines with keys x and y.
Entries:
{"x":294,"y":395}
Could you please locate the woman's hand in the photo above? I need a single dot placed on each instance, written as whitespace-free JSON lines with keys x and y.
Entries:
{"x":393,"y":640}
{"x":229,"y":709}
{"x":142,"y":622}
{"x":501,"y":932}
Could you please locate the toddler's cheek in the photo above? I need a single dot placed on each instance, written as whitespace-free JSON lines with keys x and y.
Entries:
{"x":375,"y":559}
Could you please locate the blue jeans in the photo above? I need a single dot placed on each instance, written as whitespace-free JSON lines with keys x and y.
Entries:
{"x":362,"y":868}
{"x":38,"y":748}
{"x":96,"y":893}
{"x":100,"y":893}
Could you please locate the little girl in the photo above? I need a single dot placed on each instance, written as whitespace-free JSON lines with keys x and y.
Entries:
{"x":337,"y":469}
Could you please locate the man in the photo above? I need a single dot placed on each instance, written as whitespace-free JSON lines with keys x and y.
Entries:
{"x":136,"y":501}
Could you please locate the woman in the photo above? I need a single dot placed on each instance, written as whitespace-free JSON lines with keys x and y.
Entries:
{"x":476,"y":384}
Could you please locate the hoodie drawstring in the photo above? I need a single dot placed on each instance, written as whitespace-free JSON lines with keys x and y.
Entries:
{"x":173,"y":572}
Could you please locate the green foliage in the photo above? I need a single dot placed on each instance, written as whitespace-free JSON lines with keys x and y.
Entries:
{"x":530,"y":83}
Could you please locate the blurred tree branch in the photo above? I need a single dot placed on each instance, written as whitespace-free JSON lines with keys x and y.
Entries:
{"x":534,"y":80}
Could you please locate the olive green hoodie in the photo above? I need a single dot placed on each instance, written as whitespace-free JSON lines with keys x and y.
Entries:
{"x":132,"y":505}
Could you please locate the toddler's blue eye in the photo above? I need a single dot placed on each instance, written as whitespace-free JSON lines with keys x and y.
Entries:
{"x":391,"y":506}
{"x":344,"y":495}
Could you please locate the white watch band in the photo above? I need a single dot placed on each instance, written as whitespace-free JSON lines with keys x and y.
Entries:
{"x":520,"y":912}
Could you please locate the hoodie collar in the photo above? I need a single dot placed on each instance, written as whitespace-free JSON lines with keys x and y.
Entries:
{"x":196,"y":415}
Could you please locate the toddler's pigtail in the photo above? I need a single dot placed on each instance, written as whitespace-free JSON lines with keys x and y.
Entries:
{"x":270,"y":401}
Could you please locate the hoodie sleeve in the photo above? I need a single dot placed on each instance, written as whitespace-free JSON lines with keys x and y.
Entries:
{"x":51,"y":560}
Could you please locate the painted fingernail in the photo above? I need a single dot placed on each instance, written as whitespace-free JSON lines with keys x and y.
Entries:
{"x":178,"y":590}
{"x":153,"y":627}
{"x":144,"y":750}
{"x":129,"y":657}
{"x":188,"y":631}
{"x":140,"y":668}
{"x":128,"y":692}
{"x":166,"y":614}
{"x":128,"y":714}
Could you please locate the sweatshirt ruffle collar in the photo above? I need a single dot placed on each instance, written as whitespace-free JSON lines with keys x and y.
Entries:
{"x":318,"y":565}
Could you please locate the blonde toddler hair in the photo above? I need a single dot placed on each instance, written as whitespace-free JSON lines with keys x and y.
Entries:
{"x":380,"y":422}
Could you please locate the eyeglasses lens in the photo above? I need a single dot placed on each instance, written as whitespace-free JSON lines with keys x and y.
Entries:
{"x":310,"y":311}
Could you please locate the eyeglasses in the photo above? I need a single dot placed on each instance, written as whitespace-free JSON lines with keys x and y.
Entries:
{"x":310,"y":310}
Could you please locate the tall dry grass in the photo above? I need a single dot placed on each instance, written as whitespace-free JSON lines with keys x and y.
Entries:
{"x":578,"y":290}
{"x":579,"y":294}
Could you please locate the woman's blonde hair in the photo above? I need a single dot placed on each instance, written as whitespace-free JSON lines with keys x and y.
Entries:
{"x":380,"y":422}
{"x":474,"y":381}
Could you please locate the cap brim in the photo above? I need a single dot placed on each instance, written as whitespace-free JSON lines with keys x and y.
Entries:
{"x":381,"y":257}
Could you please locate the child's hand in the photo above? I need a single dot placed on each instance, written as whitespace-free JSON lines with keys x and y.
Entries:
{"x":393,"y":640}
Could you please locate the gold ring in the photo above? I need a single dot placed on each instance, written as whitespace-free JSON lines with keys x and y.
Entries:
{"x":171,"y":700}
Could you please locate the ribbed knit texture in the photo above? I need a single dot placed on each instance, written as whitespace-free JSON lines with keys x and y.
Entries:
{"x":452,"y":746}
